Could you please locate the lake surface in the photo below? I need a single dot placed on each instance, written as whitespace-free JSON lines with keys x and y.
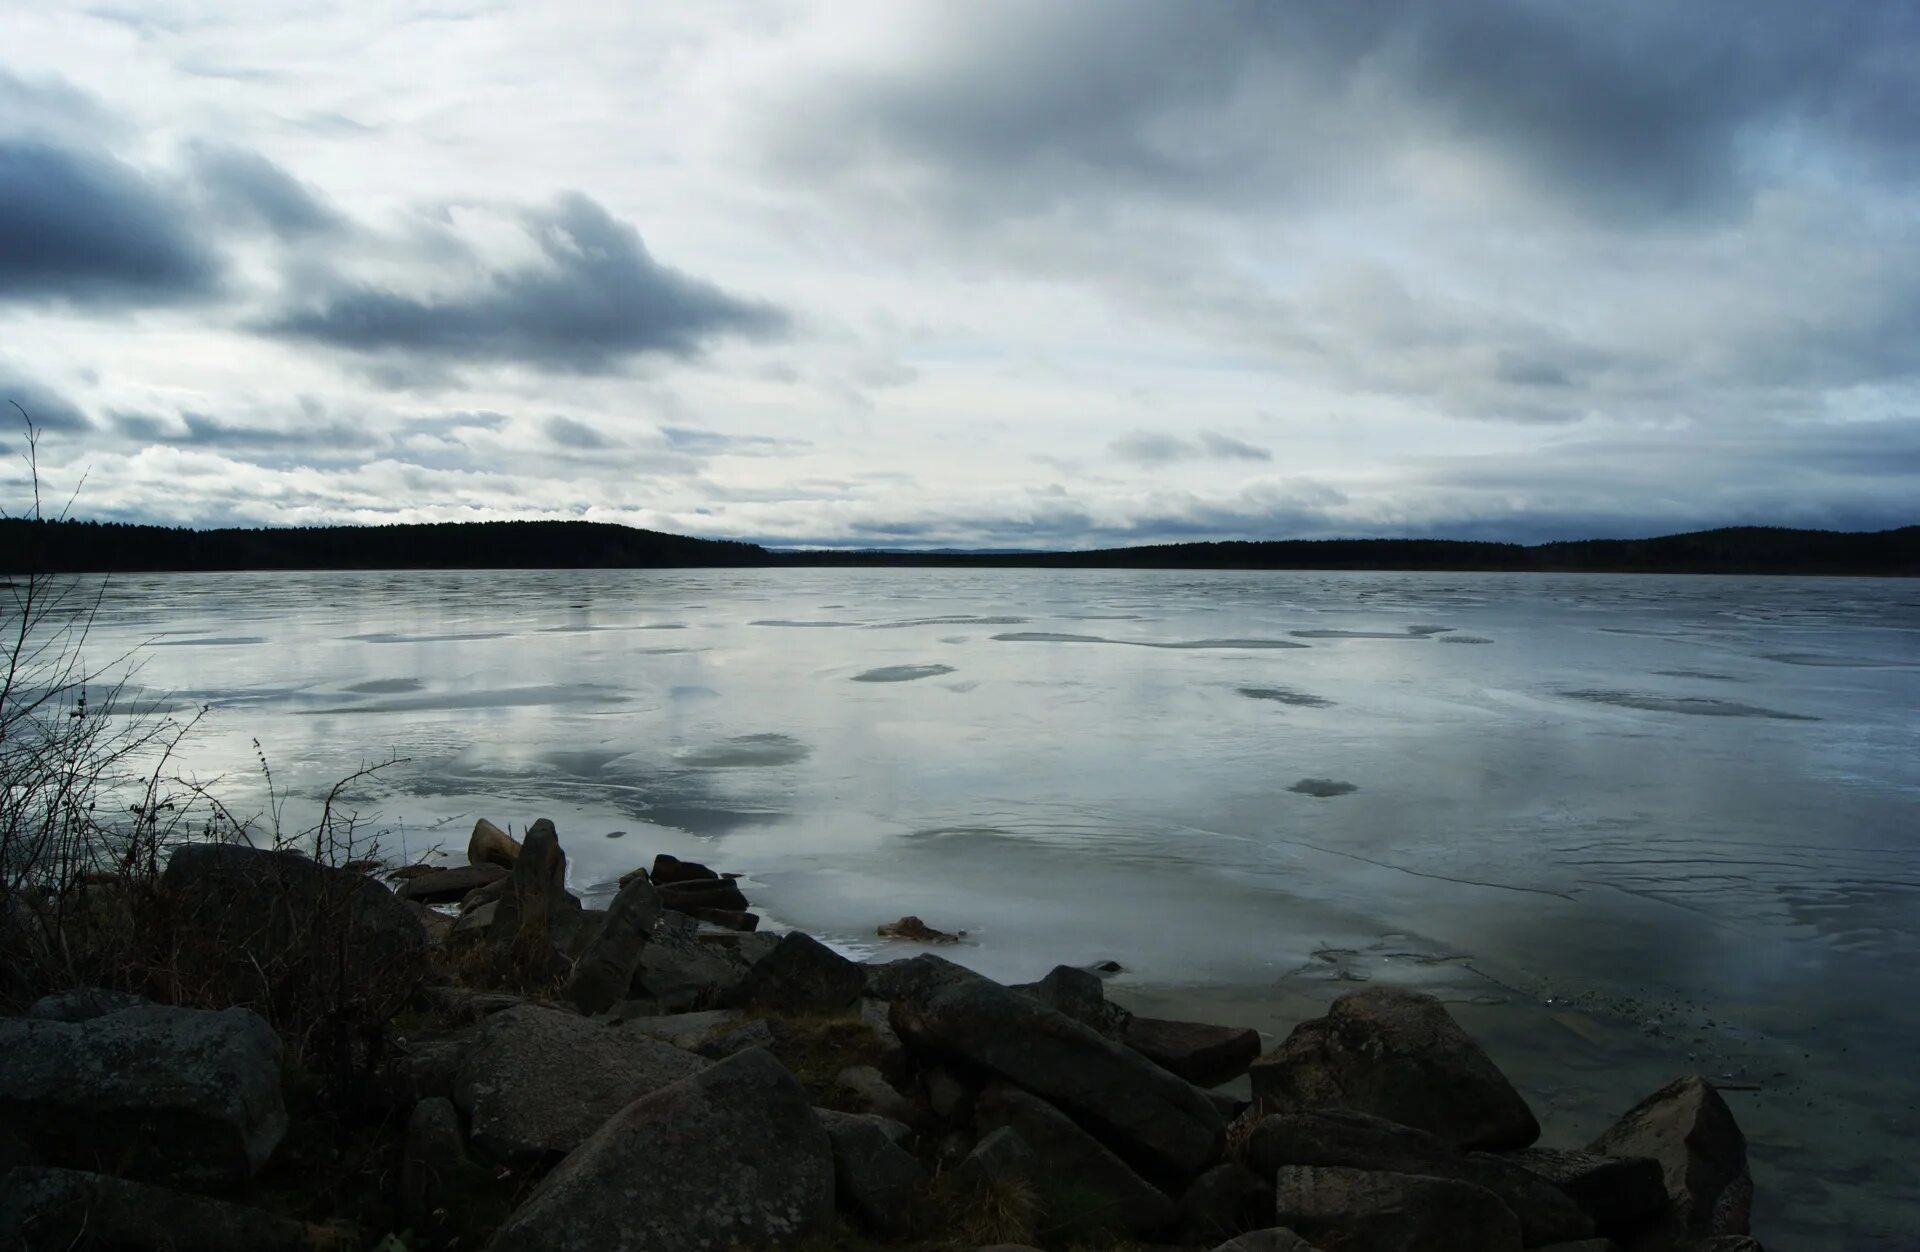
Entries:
{"x":1626,"y":825}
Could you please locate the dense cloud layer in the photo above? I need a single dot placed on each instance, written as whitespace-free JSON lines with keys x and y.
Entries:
{"x":1092,"y":271}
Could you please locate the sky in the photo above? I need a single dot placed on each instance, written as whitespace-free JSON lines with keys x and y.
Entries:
{"x":1002,"y":273}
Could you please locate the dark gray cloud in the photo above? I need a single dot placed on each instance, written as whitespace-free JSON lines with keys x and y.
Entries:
{"x":596,"y":299}
{"x":696,"y":442}
{"x":568,"y":433}
{"x":1634,"y":111}
{"x":1159,"y":448}
{"x":82,"y":228}
{"x":200,"y":430}
{"x":47,"y":408}
{"x":244,"y":188}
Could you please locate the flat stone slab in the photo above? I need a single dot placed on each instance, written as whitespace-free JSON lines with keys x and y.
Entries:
{"x":534,"y":1081}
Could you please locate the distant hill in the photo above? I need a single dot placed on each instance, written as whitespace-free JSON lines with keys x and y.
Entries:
{"x":112,"y":546}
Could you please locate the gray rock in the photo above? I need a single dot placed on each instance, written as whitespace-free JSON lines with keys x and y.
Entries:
{"x":668,"y":870}
{"x":896,"y":1132}
{"x":45,"y":1208}
{"x":167,"y":1095}
{"x":947,"y":1096}
{"x":867,"y":1086}
{"x":801,"y":976}
{"x":1146,"y":1115}
{"x":490,"y":845}
{"x":730,"y":1157}
{"x":83,"y":1004}
{"x":534,"y":912}
{"x":684,"y":1030}
{"x":488,"y":894}
{"x":1341,"y":1137}
{"x":605,"y":970}
{"x":679,"y":971}
{"x":720,"y":893}
{"x":533,"y":1082}
{"x":472,"y":928}
{"x":1616,"y":1191}
{"x":874,"y":1176}
{"x":1079,"y":994}
{"x":444,"y":886}
{"x":434,"y":1169}
{"x":1377,"y":1211}
{"x":1225,"y":1201}
{"x":1001,"y":1156}
{"x":1084,"y":1188}
{"x":757,"y":1033}
{"x":263,"y":927}
{"x":1691,"y":1132}
{"x":1272,"y":1239}
{"x":1581,"y":1245}
{"x":1399,"y":1055}
{"x":1204,"y":1055}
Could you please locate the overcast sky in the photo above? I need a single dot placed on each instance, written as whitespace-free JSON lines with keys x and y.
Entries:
{"x":1006,"y":273}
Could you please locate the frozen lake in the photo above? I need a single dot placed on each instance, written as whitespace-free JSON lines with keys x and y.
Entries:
{"x":1671,"y":822}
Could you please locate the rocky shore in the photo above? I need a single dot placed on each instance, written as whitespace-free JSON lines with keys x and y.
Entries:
{"x":536,"y":1074}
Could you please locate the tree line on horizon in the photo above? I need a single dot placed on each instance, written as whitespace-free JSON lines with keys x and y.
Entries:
{"x":70,"y":546}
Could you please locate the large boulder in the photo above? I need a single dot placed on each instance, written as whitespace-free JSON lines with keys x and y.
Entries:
{"x":168,"y":1095}
{"x":49,"y":1209}
{"x":730,"y":1157}
{"x":711,"y":893}
{"x":1079,"y":994}
{"x":1357,"y":1141}
{"x":83,"y":1004}
{"x":800,"y":976}
{"x":297,"y":939}
{"x":490,"y":845}
{"x":534,"y":1082}
{"x":604,"y":973}
{"x":668,"y":870}
{"x":1226,"y":1200}
{"x":1618,"y":1192}
{"x":1358,"y":1210}
{"x":875,"y":1177}
{"x":678,"y":972}
{"x":1001,"y":1157}
{"x":1689,"y":1129}
{"x":1148,"y":1116}
{"x":1272,"y":1239}
{"x":535,"y":913}
{"x":444,"y":886}
{"x":435,"y":1174}
{"x":1204,"y":1055}
{"x":1084,"y":1188}
{"x":1399,"y":1055}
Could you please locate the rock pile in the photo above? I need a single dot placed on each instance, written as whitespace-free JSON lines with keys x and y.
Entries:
{"x":671,"y":1080}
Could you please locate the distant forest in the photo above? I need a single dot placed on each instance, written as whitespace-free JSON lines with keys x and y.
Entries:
{"x":76,"y":547}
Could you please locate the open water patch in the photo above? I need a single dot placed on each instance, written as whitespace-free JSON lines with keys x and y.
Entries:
{"x":1697,"y":673}
{"x":1416,"y":632}
{"x":1464,"y":639}
{"x":747,"y":751}
{"x":382,"y":636}
{"x":1693,"y":706}
{"x":957,"y":620}
{"x":901,"y":673}
{"x":385,"y":686}
{"x":1051,"y":636}
{"x":1322,"y":788}
{"x":498,"y":698}
{"x":1824,"y":660}
{"x":1287,"y":695}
